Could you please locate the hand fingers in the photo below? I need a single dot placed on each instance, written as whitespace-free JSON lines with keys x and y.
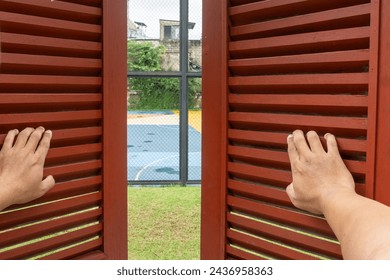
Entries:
{"x":314,"y":142}
{"x":331,"y":144}
{"x":9,"y":139}
{"x":23,"y":137}
{"x":292,"y":150}
{"x":34,"y":139}
{"x":301,"y":144}
{"x":44,"y":146}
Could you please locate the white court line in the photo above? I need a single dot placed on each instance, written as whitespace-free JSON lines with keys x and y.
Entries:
{"x":150,"y":164}
{"x":136,"y":178}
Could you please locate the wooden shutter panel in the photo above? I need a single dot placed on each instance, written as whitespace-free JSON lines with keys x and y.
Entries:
{"x":271,"y":67}
{"x":63,"y":67}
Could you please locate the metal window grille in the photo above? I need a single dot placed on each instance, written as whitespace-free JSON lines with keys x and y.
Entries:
{"x":182,"y":68}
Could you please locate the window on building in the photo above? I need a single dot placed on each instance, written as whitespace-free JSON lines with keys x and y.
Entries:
{"x":172,"y":32}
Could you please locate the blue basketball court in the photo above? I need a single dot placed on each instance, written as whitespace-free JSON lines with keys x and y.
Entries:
{"x":153,"y":148}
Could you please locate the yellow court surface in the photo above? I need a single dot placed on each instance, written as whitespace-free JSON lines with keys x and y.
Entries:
{"x":194,"y":119}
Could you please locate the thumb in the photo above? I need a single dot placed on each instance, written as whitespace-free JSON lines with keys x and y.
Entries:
{"x":48,"y":183}
{"x":290,"y":192}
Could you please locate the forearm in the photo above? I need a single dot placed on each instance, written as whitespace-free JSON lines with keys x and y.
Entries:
{"x":361,"y":225}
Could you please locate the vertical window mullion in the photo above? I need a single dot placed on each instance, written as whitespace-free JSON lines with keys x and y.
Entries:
{"x":183,"y":91}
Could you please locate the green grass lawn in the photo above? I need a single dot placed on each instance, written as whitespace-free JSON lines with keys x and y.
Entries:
{"x":164,"y":223}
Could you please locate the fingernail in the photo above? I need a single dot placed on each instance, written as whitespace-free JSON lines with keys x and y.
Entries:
{"x":49,"y":132}
{"x":290,"y":136}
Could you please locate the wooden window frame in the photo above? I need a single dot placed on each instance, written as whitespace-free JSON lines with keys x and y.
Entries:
{"x":114,"y":129}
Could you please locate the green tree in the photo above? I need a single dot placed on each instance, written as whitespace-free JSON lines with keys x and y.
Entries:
{"x":143,"y":56}
{"x":155,"y":93}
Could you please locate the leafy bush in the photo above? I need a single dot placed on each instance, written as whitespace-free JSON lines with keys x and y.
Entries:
{"x":143,"y":56}
{"x":155,"y":93}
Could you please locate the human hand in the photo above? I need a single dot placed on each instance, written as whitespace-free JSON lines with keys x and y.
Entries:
{"x":21,"y":166}
{"x":318,"y":175}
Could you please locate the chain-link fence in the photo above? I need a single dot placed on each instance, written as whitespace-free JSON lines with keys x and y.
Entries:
{"x":164,"y":91}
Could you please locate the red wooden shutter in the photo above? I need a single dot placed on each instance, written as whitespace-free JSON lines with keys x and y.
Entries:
{"x":63,"y":66}
{"x":271,"y":67}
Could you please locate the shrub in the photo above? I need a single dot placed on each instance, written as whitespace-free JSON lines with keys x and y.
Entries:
{"x":143,"y":56}
{"x":155,"y":93}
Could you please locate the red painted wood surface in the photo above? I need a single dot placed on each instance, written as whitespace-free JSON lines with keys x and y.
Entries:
{"x":64,"y":67}
{"x":289,"y":64}
{"x":382,"y":152}
{"x":214,"y":142}
{"x":115,"y":129}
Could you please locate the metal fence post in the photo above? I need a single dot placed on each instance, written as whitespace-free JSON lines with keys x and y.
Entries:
{"x":183,"y":91}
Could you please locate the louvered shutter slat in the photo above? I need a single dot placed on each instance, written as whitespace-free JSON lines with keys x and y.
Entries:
{"x":293,"y":82}
{"x":53,"y":117}
{"x":75,"y":135}
{"x":50,"y":227}
{"x":330,"y":104}
{"x":252,"y":172}
{"x":343,"y":17}
{"x":279,"y":140}
{"x":279,"y":158}
{"x":29,"y":44}
{"x":320,"y":63}
{"x":45,"y":211}
{"x":246,"y":154}
{"x":77,"y":152}
{"x":55,"y":27}
{"x":47,"y":64}
{"x":237,"y":254}
{"x":64,"y":8}
{"x":280,"y":215}
{"x":271,"y":248}
{"x":79,"y":252}
{"x":259,"y":191}
{"x":242,"y":12}
{"x":282,"y":234}
{"x":17,"y":82}
{"x":73,"y":188}
{"x":74,"y":170}
{"x":87,"y":254}
{"x":87,"y":99}
{"x":353,"y":125}
{"x":53,"y":243}
{"x":300,"y":43}
{"x":302,"y":100}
